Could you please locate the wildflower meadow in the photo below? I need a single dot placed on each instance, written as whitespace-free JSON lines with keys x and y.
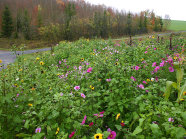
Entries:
{"x":96,"y":89}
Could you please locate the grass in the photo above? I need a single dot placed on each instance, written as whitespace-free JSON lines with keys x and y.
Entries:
{"x":177,"y":25}
{"x":6,"y":44}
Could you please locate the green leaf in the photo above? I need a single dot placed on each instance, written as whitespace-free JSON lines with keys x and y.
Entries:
{"x":181,"y":93}
{"x":180,"y":132}
{"x":23,"y":135}
{"x":169,"y":85}
{"x":155,"y":129}
{"x":106,"y":134}
{"x":137,"y":130}
{"x":118,"y":127}
{"x":98,"y":131}
{"x":26,"y":125}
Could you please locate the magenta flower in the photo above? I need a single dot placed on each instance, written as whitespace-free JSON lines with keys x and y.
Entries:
{"x":59,"y":62}
{"x":83,"y":95}
{"x":136,"y":68}
{"x":141,"y":86}
{"x":80,"y":67}
{"x":154,"y":48}
{"x":77,"y":88}
{"x":171,"y":69}
{"x":17,"y":95}
{"x":38,"y":130}
{"x":154,"y":64}
{"x":171,"y":119}
{"x":61,"y":94}
{"x":64,"y":60}
{"x":108,"y":80}
{"x":99,"y":114}
{"x":91,"y":124}
{"x":162,"y":63}
{"x":145,"y":52}
{"x":72,"y":134}
{"x":156,"y":69}
{"x":134,"y":79}
{"x":89,"y":70}
{"x":147,"y":91}
{"x":144,"y":82}
{"x":83,"y":122}
{"x":112,"y":134}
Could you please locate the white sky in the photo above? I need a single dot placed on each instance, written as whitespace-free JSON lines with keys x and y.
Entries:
{"x":176,"y":9}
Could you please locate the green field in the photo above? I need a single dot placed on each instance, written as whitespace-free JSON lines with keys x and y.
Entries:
{"x":177,"y":25}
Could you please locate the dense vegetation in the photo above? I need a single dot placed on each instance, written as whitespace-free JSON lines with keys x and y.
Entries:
{"x":96,"y":89}
{"x":56,"y":20}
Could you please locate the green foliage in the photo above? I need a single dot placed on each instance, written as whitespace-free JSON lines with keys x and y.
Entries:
{"x":38,"y":92}
{"x":7,"y":23}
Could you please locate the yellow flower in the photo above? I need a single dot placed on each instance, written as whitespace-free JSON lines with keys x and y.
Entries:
{"x":184,"y":93}
{"x":182,"y":99}
{"x":98,"y":136}
{"x":118,"y":115}
{"x":93,"y":53}
{"x":42,"y":63}
{"x":175,"y":57}
{"x":22,"y":80}
{"x":50,"y":88}
{"x":153,"y":37}
{"x":57,"y":131}
{"x":148,"y":80}
{"x":58,"y":74}
{"x":82,"y":59}
{"x":15,"y":85}
{"x":1,"y":61}
{"x":99,"y":79}
{"x":142,"y":59}
{"x":30,"y":105}
{"x":116,"y":63}
{"x":92,"y":88}
{"x":20,"y":69}
{"x":37,"y":58}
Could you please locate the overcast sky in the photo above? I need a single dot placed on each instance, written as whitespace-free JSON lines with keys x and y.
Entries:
{"x":176,"y":9}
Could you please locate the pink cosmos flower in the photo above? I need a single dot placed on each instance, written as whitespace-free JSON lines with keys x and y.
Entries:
{"x":154,"y":48}
{"x":134,"y":79}
{"x":77,"y":88}
{"x":17,"y":95}
{"x":108,"y":80}
{"x":144,"y":82}
{"x":145,"y":52}
{"x":72,"y":134}
{"x":99,"y":114}
{"x":89,"y":69}
{"x":171,"y":69}
{"x":136,"y":68}
{"x":83,"y":95}
{"x":64,"y":60}
{"x":59,"y":62}
{"x":154,"y":64}
{"x":38,"y":130}
{"x":80,"y":67}
{"x":141,"y":86}
{"x":112,"y":134}
{"x":147,"y":91}
{"x":162,"y":63}
{"x":156,"y":69}
{"x":61,"y":94}
{"x":171,"y":119}
{"x":84,"y":119}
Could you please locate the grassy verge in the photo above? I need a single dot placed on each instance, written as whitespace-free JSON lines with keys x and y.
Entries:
{"x":177,"y":25}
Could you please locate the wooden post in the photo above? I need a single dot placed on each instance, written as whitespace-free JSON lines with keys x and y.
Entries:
{"x":158,"y":40}
{"x":170,"y":43}
{"x":130,"y":40}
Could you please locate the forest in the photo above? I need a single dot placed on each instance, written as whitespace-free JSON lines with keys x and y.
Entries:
{"x":56,"y":20}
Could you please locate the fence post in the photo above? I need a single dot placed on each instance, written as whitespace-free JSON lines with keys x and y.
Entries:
{"x":170,"y":43}
{"x":130,"y":40}
{"x":158,"y":40}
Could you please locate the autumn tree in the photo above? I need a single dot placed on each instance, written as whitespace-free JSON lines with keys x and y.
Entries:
{"x":7,"y":23}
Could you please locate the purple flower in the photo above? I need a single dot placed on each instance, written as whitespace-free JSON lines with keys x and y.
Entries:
{"x":162,"y":63}
{"x":17,"y":95}
{"x":108,"y":80}
{"x":147,"y":91}
{"x":64,"y":60}
{"x":77,"y":88}
{"x":171,"y":69}
{"x":154,"y":64}
{"x":171,"y":119}
{"x":59,"y":62}
{"x":38,"y":130}
{"x":145,"y":52}
{"x":134,"y":79}
{"x":61,"y":94}
{"x":83,"y":95}
{"x":136,"y":68}
{"x":84,"y":119}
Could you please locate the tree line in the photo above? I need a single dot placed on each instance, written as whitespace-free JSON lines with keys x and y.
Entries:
{"x":56,"y":20}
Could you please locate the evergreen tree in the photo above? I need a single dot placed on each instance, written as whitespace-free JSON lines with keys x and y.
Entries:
{"x":129,"y":23}
{"x":26,"y":25}
{"x":145,"y":22}
{"x":7,"y":23}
